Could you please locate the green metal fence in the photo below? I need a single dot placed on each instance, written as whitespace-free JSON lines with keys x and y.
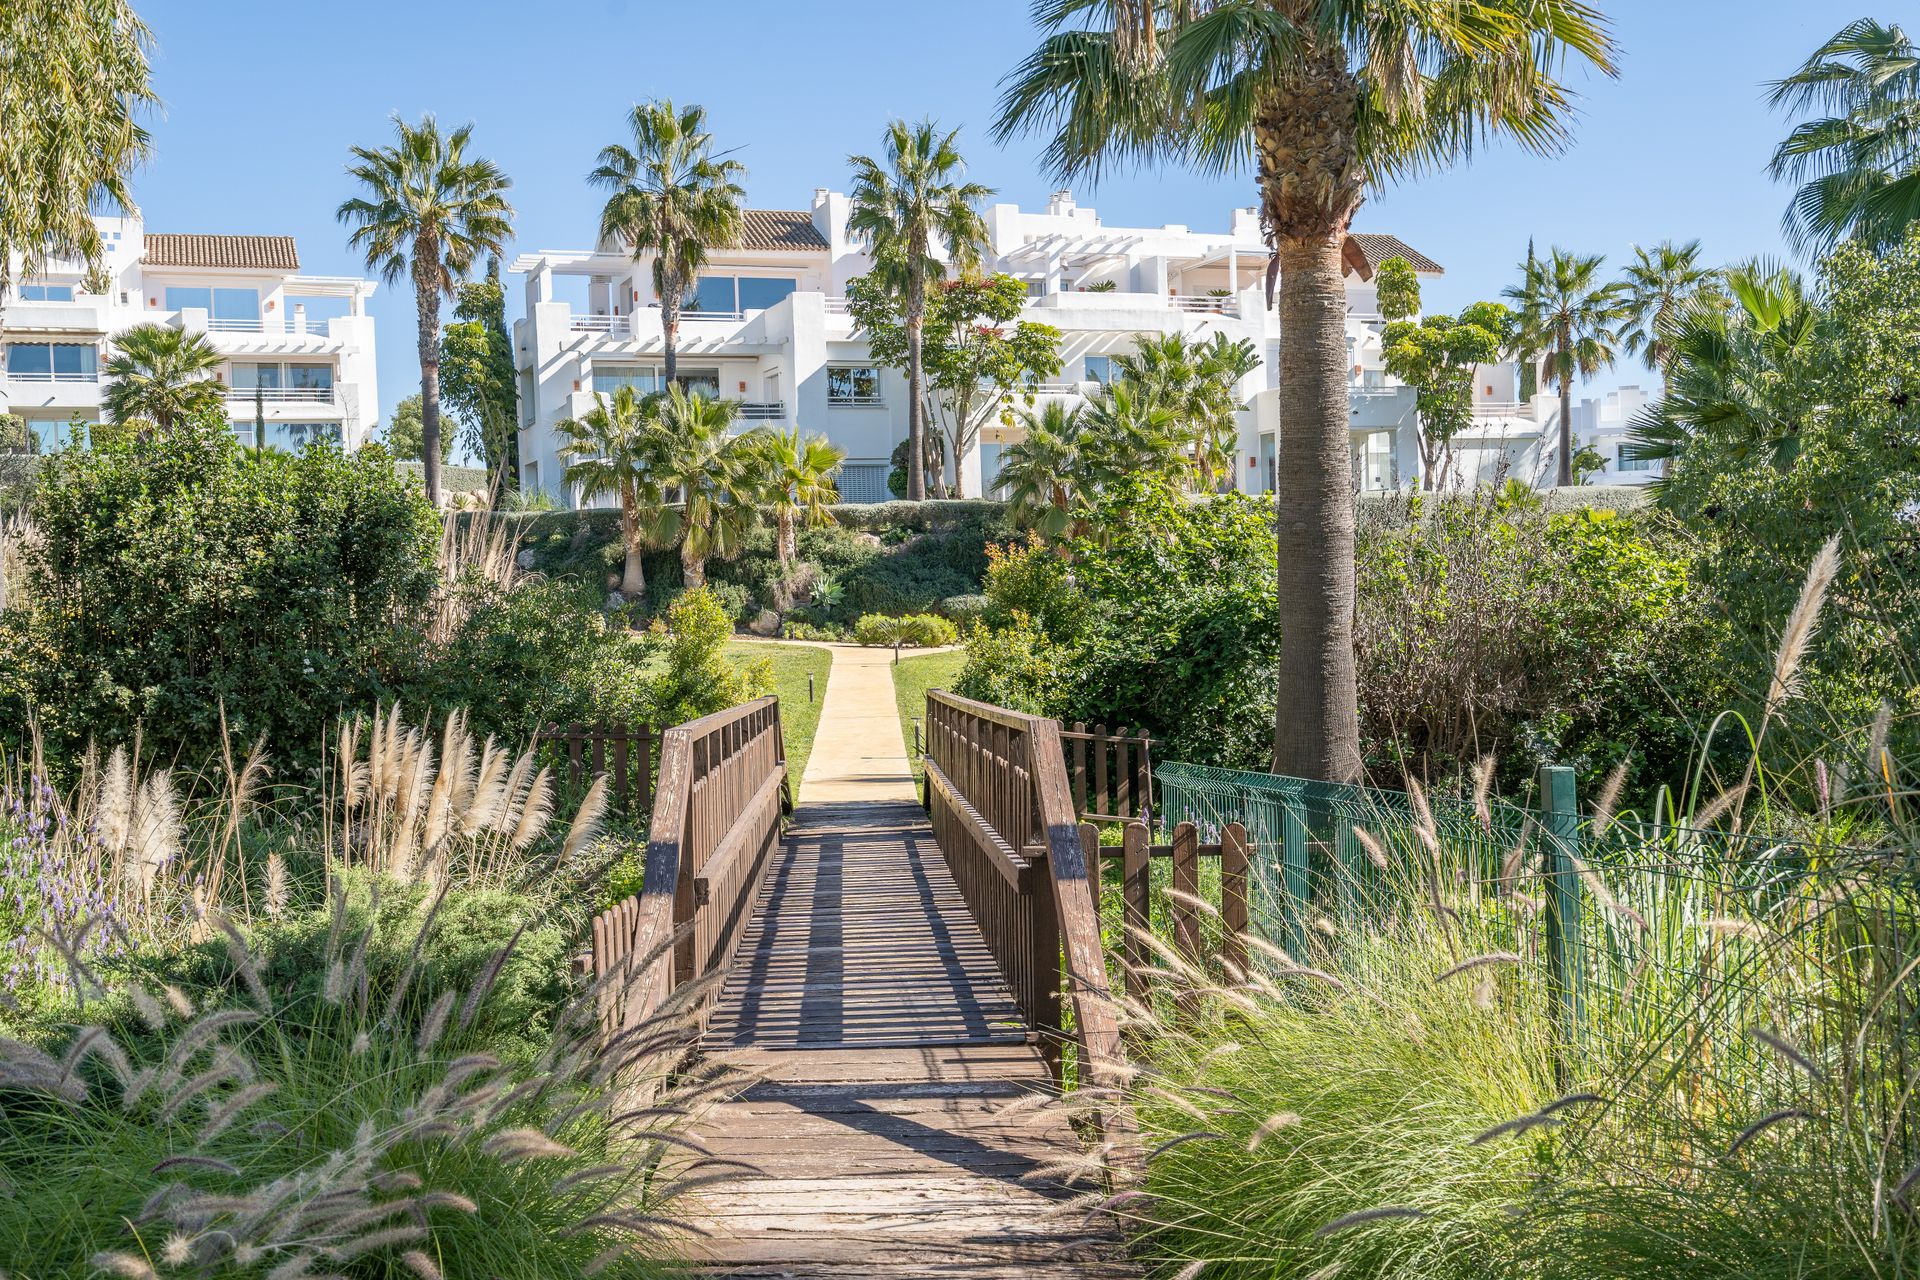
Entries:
{"x":1656,"y":951}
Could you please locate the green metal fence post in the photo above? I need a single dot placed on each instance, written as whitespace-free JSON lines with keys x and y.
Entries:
{"x":1295,"y":890}
{"x":1560,"y":819}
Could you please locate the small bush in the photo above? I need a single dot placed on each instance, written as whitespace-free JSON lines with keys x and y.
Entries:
{"x":916,"y":631}
{"x":964,"y":610}
{"x":877,"y":630}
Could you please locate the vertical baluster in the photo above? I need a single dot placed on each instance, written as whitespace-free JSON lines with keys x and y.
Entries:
{"x":1123,"y":775}
{"x":1135,"y":885}
{"x":1100,"y":788}
{"x":1186,"y":880}
{"x":1233,"y":898}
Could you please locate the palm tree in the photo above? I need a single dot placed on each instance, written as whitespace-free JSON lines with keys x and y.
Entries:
{"x":1199,"y":383}
{"x":162,"y":375}
{"x":1858,"y":161}
{"x":429,"y":213}
{"x":906,"y":209}
{"x":75,"y":86}
{"x":1739,"y":376}
{"x":719,"y":476}
{"x":620,"y":448}
{"x":1663,"y":285}
{"x":797,"y":472}
{"x":672,"y":198}
{"x":1325,"y":99}
{"x":1043,"y":475}
{"x":1125,"y":432}
{"x":1566,"y":311}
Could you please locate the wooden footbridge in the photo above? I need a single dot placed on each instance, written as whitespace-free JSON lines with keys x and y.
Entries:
{"x":894,"y":975}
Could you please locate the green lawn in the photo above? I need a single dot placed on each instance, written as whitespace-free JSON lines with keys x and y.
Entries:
{"x":792,"y":664}
{"x":911,"y":680}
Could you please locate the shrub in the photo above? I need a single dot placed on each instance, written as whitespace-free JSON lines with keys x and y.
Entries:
{"x":964,"y":610}
{"x":877,"y":629}
{"x":177,"y":574}
{"x":917,"y":631}
{"x":697,"y":679}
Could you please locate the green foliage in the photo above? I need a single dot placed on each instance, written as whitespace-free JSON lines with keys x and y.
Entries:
{"x":696,"y":678}
{"x":1437,"y":358}
{"x":477,"y":376}
{"x":180,"y":573}
{"x":16,"y":436}
{"x":1825,"y":440}
{"x":163,"y":376}
{"x":404,"y":433}
{"x":1397,"y":288}
{"x":915,"y":631}
{"x":964,"y":610}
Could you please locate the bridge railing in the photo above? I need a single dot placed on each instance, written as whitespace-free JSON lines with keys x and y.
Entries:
{"x":716,"y":818}
{"x":1004,"y":817}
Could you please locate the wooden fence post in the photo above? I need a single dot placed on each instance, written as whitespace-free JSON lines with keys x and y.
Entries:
{"x":1560,"y":820}
{"x":1135,"y":888}
{"x":1233,"y":900}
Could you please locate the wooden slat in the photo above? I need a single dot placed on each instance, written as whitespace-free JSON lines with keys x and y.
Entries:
{"x":1186,"y":881}
{"x":1233,"y":897}
{"x":1135,"y":890}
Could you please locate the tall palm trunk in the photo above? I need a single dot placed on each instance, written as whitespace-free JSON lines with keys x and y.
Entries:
{"x":916,"y":381}
{"x":787,"y":543}
{"x":1311,"y":183}
{"x":633,"y":572}
{"x":426,"y":298}
{"x":670,"y":335}
{"x":1565,"y":361}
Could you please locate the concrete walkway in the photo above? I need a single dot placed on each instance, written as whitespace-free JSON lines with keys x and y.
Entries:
{"x":859,"y":754}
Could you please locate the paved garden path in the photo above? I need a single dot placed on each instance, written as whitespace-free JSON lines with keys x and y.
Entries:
{"x":886,"y":1048}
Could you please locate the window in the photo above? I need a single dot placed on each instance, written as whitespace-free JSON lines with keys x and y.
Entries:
{"x":228,"y":308}
{"x":309,"y":382}
{"x":863,"y":482}
{"x":1099,"y":369}
{"x":734,"y":295}
{"x":990,"y":454}
{"x":288,"y":437}
{"x":853,"y":384}
{"x":608,"y":379}
{"x":256,"y":377}
{"x":1630,"y":459}
{"x":46,"y":293}
{"x":527,"y":390}
{"x":52,"y":362}
{"x":310,"y":377}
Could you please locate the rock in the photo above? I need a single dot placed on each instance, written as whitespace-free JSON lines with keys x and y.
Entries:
{"x":525,"y":559}
{"x":615,"y":600}
{"x":765,"y":623}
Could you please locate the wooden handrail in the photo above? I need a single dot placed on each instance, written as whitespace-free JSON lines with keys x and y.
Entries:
{"x":1001,"y":806}
{"x":716,"y":818}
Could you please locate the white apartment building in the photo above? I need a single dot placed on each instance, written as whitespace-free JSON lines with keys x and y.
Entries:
{"x":768,"y":326}
{"x":298,"y":349}
{"x":1511,"y":439}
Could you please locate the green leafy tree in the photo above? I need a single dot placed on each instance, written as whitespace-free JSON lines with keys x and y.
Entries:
{"x":621,"y":449}
{"x":720,"y":476}
{"x":1198,"y":384}
{"x":429,"y":212}
{"x":1857,"y":160}
{"x":405,"y":437}
{"x":161,"y":375}
{"x":798,"y":475}
{"x":906,"y":206}
{"x":74,"y":84}
{"x":1664,"y":285}
{"x":1397,"y":288}
{"x":16,"y":436}
{"x":1323,"y":99}
{"x":477,"y":377}
{"x":1568,"y":312}
{"x":1437,"y":357}
{"x":671,"y":197}
{"x":980,"y":358}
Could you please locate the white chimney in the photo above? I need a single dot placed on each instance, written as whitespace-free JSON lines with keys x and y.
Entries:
{"x":1060,"y":204}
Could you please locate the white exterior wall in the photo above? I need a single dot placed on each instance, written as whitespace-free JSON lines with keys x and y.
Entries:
{"x":136,"y":294}
{"x":1163,"y":279}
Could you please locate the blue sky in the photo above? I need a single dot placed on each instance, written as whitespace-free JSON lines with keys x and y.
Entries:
{"x":263,"y":100}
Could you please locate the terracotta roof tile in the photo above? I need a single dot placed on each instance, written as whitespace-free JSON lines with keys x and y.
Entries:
{"x":259,"y":253}
{"x":1377,"y":248}
{"x":789,"y":229}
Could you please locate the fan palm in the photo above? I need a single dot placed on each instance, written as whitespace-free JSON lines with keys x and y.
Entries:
{"x":429,"y":212}
{"x":719,"y":475}
{"x":1739,"y":375}
{"x":1858,"y":161}
{"x":1124,"y":432}
{"x":74,"y":82}
{"x":1663,"y":286}
{"x":907,"y":206}
{"x":1199,"y":383}
{"x":1043,"y":475}
{"x":161,"y":375}
{"x":1564,"y":309}
{"x":1325,"y":99}
{"x":798,"y":472}
{"x":620,"y":448}
{"x":670,"y":198}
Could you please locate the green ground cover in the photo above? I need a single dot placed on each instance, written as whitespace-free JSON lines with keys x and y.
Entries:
{"x":792,"y":664}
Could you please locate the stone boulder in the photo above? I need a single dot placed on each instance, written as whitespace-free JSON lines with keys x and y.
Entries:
{"x":765,"y":623}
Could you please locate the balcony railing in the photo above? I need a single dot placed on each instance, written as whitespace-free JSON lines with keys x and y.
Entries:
{"x":723,"y":316}
{"x":763,"y":410}
{"x":234,"y":326}
{"x":857,"y":402}
{"x":16,"y":376}
{"x":1204,"y":305}
{"x":603,"y":324}
{"x":282,"y":395}
{"x":1502,"y":409}
{"x":838,"y":307}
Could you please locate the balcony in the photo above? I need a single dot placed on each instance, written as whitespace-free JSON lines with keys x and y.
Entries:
{"x":856,"y":402}
{"x":614,"y":326}
{"x":763,"y":411}
{"x":281,"y":395}
{"x":1204,"y":305}
{"x":52,"y":377}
